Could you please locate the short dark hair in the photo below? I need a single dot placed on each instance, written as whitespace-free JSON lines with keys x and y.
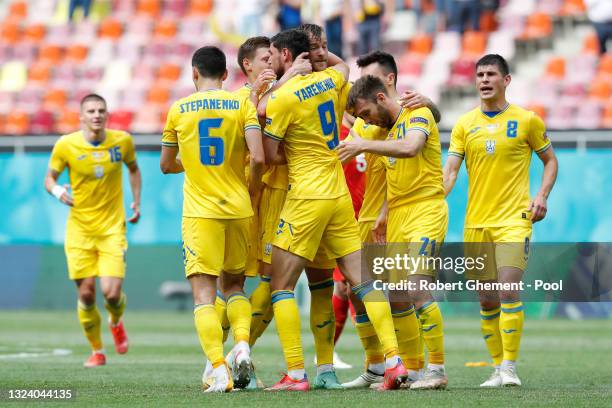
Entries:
{"x":384,"y":59}
{"x":366,"y":87}
{"x":296,"y":41}
{"x":495,"y":59}
{"x":92,"y":97}
{"x":313,"y":29}
{"x":209,"y":61}
{"x":249,"y":47}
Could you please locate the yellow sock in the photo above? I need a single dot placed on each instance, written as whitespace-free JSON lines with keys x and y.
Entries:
{"x":322,"y":322}
{"x":369,"y":340}
{"x":433,"y":331}
{"x":260,"y":305}
{"x":90,"y":320}
{"x":261,"y":328}
{"x":421,"y":348}
{"x":221,"y":309}
{"x":288,"y":325}
{"x":239,"y":316}
{"x":407,"y":332}
{"x":379,"y":313}
{"x":511,"y":327}
{"x":209,"y":332}
{"x":489,"y":325}
{"x":116,"y":311}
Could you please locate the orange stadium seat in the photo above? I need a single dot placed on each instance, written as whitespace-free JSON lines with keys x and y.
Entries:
{"x":488,"y":21}
{"x":54,"y":99}
{"x":68,"y":122}
{"x":77,"y":52}
{"x":201,"y":7}
{"x":607,"y":116}
{"x":166,"y":29}
{"x":474,"y":44}
{"x":556,"y":68}
{"x":39,"y":73}
{"x":539,"y":25}
{"x":605,"y":66}
{"x":51,"y":54}
{"x":110,"y":28}
{"x":34,"y":32}
{"x":148,"y":7}
{"x":11,"y":32}
{"x":18,"y":10}
{"x":17,"y":123}
{"x":573,"y":8}
{"x":421,"y":45}
{"x":158,"y":95}
{"x":2,"y":121}
{"x":591,"y":44}
{"x":600,"y":90}
{"x":169,"y":73}
{"x":42,"y":122}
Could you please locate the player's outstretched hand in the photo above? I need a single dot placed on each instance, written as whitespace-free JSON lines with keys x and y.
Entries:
{"x":302,"y":65}
{"x":538,"y":208}
{"x":347,"y":149}
{"x":263,"y":81}
{"x":379,"y":230}
{"x":412,"y":100}
{"x":135,"y":215}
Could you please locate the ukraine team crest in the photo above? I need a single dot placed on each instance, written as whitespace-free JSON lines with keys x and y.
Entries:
{"x":490,"y":146}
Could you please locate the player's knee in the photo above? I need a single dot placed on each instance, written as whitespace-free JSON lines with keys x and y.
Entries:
{"x":87,"y":297}
{"x":509,"y":296}
{"x":489,"y":304}
{"x":112,"y":294}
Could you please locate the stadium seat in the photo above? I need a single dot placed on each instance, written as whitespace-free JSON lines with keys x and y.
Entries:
{"x":77,"y":53}
{"x":201,"y":7}
{"x":158,"y":95}
{"x":190,"y":30}
{"x":7,"y":101}
{"x":68,"y":122}
{"x":573,"y":8}
{"x":590,"y":45}
{"x":57,"y":34}
{"x":474,"y":44}
{"x":447,"y":46}
{"x":29,"y":100}
{"x":117,"y":75}
{"x":588,"y":116}
{"x":2,"y":124}
{"x":600,"y":90}
{"x":539,"y":25}
{"x":502,"y":43}
{"x":101,"y":54}
{"x":110,"y":28}
{"x":148,"y":7}
{"x":66,"y":76}
{"x":120,"y":119}
{"x":147,"y":120}
{"x":168,"y":74}
{"x":463,"y":72}
{"x":604,"y":70}
{"x":50,"y":54}
{"x":550,"y":7}
{"x":54,"y":99}
{"x":572,"y":93}
{"x":10,"y":32}
{"x":18,"y":10}
{"x":17,"y":123}
{"x":42,"y":122}
{"x":555,"y":68}
{"x":174,"y":9}
{"x":86,"y":31}
{"x":39,"y":73}
{"x":539,"y":110}
{"x":139,"y":30}
{"x":420,"y":45}
{"x":560,"y":117}
{"x":34,"y":32}
{"x":166,"y":29}
{"x":546,"y":91}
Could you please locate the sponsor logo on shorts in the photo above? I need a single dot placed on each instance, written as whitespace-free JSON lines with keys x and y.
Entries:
{"x":268,"y":249}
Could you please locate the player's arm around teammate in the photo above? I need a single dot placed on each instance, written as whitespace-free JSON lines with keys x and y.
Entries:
{"x":95,"y":232}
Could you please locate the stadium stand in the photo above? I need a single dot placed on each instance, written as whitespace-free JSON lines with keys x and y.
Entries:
{"x":136,"y":54}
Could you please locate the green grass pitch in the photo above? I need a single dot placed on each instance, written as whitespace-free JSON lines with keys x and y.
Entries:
{"x":562,"y":363}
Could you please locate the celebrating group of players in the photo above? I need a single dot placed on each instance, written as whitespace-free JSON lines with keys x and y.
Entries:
{"x":276,"y":203}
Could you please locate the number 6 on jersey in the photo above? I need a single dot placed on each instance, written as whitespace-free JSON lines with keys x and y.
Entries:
{"x":211,"y":148}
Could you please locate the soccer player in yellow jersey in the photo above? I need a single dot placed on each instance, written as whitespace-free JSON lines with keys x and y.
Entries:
{"x":317,"y":214}
{"x":417,"y":211}
{"x":497,"y":140}
{"x":95,"y":232}
{"x":212,"y":130}
{"x":382,"y":65}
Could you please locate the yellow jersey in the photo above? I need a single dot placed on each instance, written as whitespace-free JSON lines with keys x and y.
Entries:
{"x":209,"y":129}
{"x":497,"y":153}
{"x":95,"y":173}
{"x":303,"y":114}
{"x":375,"y":174}
{"x":416,"y":178}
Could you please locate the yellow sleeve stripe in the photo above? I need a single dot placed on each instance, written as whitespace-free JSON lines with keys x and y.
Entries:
{"x":456,"y":154}
{"x":252,"y":127}
{"x":544,"y":148}
{"x":170,"y":144}
{"x":419,"y":128}
{"x":272,"y":136}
